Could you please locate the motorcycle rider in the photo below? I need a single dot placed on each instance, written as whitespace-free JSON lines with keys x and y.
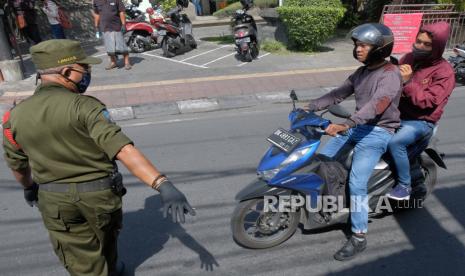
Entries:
{"x":377,"y":87}
{"x":428,"y":82}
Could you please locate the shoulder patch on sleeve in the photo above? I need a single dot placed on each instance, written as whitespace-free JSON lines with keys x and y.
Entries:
{"x":107,"y":115}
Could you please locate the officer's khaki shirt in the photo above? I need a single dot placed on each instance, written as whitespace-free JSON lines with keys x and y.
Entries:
{"x":63,"y":136}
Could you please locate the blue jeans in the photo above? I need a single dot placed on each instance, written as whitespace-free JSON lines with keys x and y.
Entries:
{"x":369,"y":143}
{"x":57,"y":31}
{"x":198,"y":7}
{"x":410,"y":131}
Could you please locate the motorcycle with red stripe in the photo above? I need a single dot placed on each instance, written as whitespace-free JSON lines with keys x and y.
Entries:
{"x":140,"y":36}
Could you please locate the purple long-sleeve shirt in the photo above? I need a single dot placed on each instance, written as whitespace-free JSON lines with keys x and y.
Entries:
{"x":377,"y":93}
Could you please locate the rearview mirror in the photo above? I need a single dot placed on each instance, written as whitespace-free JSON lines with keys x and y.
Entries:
{"x":339,"y":111}
{"x":293,"y":96}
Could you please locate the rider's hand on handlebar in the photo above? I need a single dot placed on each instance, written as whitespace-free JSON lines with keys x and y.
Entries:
{"x":334,"y":129}
{"x":309,"y":107}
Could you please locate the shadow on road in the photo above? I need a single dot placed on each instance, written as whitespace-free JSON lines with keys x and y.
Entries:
{"x":435,"y":250}
{"x":146,"y":231}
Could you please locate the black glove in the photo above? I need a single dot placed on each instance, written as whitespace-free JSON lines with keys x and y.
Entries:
{"x":174,"y":199}
{"x":30,"y":195}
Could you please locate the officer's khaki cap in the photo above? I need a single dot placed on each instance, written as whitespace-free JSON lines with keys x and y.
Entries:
{"x":59,"y":52}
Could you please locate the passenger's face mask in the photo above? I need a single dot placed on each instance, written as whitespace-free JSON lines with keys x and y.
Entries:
{"x":421,"y":55}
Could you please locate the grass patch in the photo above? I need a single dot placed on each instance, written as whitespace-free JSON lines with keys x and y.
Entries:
{"x":279,"y":48}
{"x":224,"y":39}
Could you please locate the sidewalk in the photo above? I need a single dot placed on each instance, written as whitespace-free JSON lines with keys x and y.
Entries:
{"x":174,"y":90}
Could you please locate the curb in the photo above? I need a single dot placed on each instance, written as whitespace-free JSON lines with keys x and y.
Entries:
{"x":210,"y":104}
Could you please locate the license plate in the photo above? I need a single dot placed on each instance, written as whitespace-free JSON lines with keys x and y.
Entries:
{"x":246,"y":39}
{"x":284,"y":140}
{"x":162,"y":32}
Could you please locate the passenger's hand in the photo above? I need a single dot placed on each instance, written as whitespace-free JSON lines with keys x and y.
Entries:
{"x":30,"y":195}
{"x":172,"y":199}
{"x":334,"y":129}
{"x":406,"y":72}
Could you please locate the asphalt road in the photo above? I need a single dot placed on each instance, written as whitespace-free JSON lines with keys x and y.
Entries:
{"x":210,"y":157}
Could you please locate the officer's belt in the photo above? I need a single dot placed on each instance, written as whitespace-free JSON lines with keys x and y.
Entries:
{"x":82,"y":187}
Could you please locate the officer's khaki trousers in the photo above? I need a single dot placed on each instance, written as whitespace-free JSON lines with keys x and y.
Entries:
{"x":83,"y":229}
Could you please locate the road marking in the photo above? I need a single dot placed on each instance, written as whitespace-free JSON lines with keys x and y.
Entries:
{"x":112,"y":87}
{"x":160,"y":122}
{"x":99,"y":55}
{"x":208,"y":116}
{"x":228,"y":55}
{"x":173,"y":60}
{"x":201,"y":54}
{"x":264,"y":55}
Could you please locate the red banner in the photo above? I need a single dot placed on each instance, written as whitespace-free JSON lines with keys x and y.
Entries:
{"x":405,"y":28}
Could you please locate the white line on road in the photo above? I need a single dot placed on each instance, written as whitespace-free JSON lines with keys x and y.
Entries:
{"x":264,"y":55}
{"x":99,"y":55}
{"x":173,"y":60}
{"x":204,"y":53}
{"x":208,"y":116}
{"x":219,"y":59}
{"x":160,"y":122}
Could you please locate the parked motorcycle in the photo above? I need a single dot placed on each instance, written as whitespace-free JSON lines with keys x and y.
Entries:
{"x":140,"y":36}
{"x":245,"y":33}
{"x":177,"y":34}
{"x":458,"y":63}
{"x":291,"y":166}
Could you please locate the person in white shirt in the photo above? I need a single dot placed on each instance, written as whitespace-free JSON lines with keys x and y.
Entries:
{"x":50,"y":8}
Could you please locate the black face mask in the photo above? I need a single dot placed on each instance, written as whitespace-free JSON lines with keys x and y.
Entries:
{"x":84,"y":83}
{"x":421,"y":55}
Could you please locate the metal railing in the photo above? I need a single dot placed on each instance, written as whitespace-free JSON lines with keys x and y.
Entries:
{"x":434,"y":13}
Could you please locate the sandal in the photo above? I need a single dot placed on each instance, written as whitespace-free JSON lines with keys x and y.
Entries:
{"x":128,"y":67}
{"x":111,"y":66}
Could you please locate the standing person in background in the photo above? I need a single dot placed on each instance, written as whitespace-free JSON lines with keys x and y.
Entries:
{"x":110,"y":18}
{"x":50,"y":8}
{"x":198,"y":7}
{"x":26,"y":19}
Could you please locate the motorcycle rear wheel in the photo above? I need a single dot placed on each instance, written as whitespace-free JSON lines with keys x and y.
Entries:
{"x":135,"y":45}
{"x":168,"y":49}
{"x":260,"y":233}
{"x":191,"y":41}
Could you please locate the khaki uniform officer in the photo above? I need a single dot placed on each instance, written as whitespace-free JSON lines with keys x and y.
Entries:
{"x":62,"y":147}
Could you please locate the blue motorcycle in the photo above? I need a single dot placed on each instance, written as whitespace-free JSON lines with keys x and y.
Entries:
{"x":270,"y":208}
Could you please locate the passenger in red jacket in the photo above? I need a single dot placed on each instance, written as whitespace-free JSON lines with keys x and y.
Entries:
{"x":428,"y":82}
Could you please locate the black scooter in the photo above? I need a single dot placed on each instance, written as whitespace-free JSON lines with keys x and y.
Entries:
{"x":458,"y":63}
{"x":245,"y":33}
{"x":177,"y":34}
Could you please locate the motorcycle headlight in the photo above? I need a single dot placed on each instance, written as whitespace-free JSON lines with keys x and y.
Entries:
{"x":296,"y":155}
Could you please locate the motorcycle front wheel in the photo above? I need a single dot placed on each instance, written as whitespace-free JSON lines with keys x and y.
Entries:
{"x":169,"y":50}
{"x":253,"y":228}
